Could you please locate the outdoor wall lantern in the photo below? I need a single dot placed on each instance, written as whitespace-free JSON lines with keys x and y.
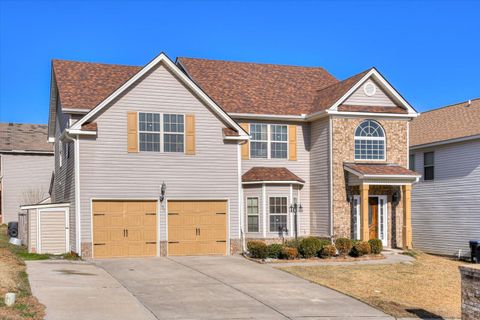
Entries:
{"x":163,"y":188}
{"x":395,"y":197}
{"x":294,"y":208}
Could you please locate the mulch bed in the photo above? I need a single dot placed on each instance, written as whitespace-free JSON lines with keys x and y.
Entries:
{"x":332,"y":259}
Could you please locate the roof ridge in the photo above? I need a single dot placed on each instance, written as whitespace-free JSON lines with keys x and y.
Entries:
{"x":99,"y":63}
{"x":342,"y":81}
{"x":257,"y":63}
{"x":24,"y":124}
{"x":450,"y":105}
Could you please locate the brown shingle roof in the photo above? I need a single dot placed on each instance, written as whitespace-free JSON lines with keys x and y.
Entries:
{"x":257,"y":174}
{"x":24,"y":137}
{"x":451,"y":122}
{"x":228,"y":132}
{"x":238,"y":87}
{"x":243,"y":87}
{"x":380,"y":169}
{"x":83,"y":85}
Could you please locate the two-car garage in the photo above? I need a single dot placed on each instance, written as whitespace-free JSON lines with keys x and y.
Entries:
{"x":130,"y":228}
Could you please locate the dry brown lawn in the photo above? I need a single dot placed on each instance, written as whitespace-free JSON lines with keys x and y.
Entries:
{"x":13,"y":278}
{"x":429,"y":287}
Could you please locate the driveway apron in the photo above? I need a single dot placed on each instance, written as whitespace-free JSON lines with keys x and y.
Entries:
{"x":229,"y":288}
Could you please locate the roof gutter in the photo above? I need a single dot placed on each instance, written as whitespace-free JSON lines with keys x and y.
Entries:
{"x":254,"y":116}
{"x":438,"y":143}
{"x":274,"y":182}
{"x":81,"y":132}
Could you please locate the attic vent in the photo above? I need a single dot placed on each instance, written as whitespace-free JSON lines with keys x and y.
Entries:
{"x":369,"y":88}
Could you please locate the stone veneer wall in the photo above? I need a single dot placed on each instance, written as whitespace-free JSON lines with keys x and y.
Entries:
{"x":470,"y":292}
{"x":343,"y":146}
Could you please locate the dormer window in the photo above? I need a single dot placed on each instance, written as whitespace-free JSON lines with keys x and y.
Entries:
{"x":369,"y":141}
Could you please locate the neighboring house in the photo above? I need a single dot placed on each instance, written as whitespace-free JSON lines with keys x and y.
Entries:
{"x":445,"y":149}
{"x":26,"y":166}
{"x":197,"y":156}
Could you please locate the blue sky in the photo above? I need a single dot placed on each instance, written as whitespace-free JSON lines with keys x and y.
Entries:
{"x":428,"y":50}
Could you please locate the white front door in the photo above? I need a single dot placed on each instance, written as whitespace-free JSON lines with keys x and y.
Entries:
{"x":382,"y":218}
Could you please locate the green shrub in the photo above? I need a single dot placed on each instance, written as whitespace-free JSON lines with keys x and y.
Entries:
{"x":360,"y":248}
{"x":289,"y":253}
{"x":323,"y":243}
{"x":257,"y":249}
{"x":275,"y":250}
{"x":329,"y":251}
{"x":343,"y":245}
{"x":309,"y":247}
{"x":292,"y":243}
{"x":376,"y":245}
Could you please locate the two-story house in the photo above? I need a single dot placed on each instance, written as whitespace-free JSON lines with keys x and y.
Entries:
{"x":196,"y":156}
{"x":445,"y":149}
{"x":26,"y":166}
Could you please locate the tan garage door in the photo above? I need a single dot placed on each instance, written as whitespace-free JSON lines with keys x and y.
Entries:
{"x":53,"y":237}
{"x":124,"y":229}
{"x":197,"y":228}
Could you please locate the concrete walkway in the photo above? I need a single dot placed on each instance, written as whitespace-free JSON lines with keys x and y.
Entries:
{"x":229,"y":288}
{"x":80,"y":291}
{"x":391,"y":257}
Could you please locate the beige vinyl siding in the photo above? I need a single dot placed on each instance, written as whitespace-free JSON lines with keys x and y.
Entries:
{"x":26,"y":178}
{"x":300,"y":167}
{"x":52,"y":231}
{"x":320,"y":179}
{"x":380,"y":98}
{"x":64,"y":183}
{"x":445,"y":211}
{"x":108,"y":171}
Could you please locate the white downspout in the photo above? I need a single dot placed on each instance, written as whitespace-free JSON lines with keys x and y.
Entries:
{"x":78,"y":221}
{"x":240,"y":197}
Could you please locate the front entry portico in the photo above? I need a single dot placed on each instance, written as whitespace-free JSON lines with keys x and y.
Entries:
{"x":371,"y":218}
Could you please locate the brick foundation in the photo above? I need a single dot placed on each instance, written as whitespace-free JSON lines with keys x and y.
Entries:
{"x":163,"y":248}
{"x":86,"y":250}
{"x":235,"y":246}
{"x":470,"y":292}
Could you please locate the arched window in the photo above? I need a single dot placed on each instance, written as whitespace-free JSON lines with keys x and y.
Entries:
{"x":369,"y":141}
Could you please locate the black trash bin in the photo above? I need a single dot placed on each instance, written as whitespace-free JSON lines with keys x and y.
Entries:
{"x":12,"y":229}
{"x":475,"y":250}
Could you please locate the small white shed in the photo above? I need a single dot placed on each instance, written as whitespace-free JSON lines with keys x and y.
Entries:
{"x":47,"y":228}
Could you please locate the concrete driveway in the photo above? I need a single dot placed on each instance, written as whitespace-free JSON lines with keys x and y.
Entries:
{"x":229,"y":288}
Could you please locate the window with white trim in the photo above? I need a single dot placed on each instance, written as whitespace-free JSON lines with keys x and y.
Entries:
{"x":252,"y":214}
{"x":268,"y":141}
{"x":155,"y":129}
{"x":429,"y":166}
{"x":173,"y":132}
{"x":259,"y":140}
{"x":149,"y":131}
{"x":279,"y":143}
{"x":278,"y":210}
{"x":369,"y":141}
{"x":411,"y":162}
